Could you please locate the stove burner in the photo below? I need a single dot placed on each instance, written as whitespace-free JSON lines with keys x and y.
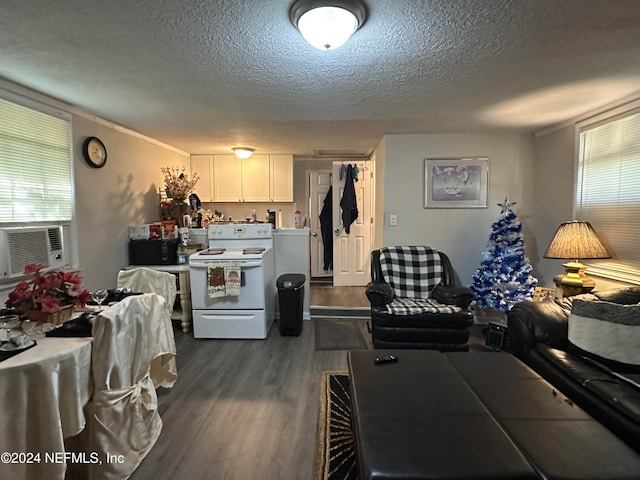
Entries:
{"x":212,"y":251}
{"x":249,"y":251}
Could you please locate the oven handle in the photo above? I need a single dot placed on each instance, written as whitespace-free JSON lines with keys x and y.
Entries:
{"x":243,"y":265}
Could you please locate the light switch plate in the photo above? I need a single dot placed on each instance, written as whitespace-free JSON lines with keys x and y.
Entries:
{"x":393,"y":219}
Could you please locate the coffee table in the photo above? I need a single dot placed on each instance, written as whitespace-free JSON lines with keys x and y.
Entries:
{"x":473,"y":415}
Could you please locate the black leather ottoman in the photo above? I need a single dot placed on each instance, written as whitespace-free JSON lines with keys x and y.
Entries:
{"x":473,"y":416}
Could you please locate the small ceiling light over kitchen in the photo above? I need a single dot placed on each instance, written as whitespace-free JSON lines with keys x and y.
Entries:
{"x":243,"y":152}
{"x":327,"y":24}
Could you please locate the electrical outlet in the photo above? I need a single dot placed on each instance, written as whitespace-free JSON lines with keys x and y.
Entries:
{"x":393,"y":219}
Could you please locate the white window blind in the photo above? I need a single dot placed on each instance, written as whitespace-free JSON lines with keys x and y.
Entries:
{"x":608,"y":193}
{"x":35,"y":165}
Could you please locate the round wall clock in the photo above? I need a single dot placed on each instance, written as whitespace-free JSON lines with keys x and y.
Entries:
{"x":94,"y":151}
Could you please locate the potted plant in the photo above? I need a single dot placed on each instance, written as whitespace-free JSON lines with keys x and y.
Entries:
{"x":48,"y":297}
{"x":178,"y":187}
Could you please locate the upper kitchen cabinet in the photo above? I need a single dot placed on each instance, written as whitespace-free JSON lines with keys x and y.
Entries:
{"x":261,"y":178}
{"x":202,"y":165}
{"x":241,"y":180}
{"x":281,"y":179}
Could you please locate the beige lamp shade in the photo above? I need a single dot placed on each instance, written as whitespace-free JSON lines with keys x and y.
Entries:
{"x":576,"y":240}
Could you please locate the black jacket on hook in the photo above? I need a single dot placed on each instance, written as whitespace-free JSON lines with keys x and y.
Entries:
{"x":326,"y":227}
{"x":349,"y":202}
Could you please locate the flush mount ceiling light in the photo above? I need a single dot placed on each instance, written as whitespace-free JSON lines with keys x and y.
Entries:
{"x":327,"y":24}
{"x":243,"y":152}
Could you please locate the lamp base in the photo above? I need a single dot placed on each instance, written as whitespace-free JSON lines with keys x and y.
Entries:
{"x":574,"y":281}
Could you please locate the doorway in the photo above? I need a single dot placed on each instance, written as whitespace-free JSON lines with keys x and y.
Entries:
{"x":351,"y":252}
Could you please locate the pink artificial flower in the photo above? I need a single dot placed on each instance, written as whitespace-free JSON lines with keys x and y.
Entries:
{"x":50,"y":304}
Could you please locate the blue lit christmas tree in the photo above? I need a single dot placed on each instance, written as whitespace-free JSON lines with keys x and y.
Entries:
{"x":504,"y":277}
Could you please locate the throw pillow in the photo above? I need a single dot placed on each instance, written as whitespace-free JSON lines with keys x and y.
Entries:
{"x":607,"y":332}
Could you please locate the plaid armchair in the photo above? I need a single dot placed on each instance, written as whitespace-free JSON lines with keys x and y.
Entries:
{"x":415,"y":302}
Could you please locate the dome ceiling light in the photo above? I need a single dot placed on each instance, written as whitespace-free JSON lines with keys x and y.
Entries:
{"x":243,"y":152}
{"x":327,"y":24}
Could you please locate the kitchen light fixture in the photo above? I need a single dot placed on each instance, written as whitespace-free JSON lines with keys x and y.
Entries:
{"x":327,"y":24}
{"x":575,"y":240}
{"x":243,"y":152}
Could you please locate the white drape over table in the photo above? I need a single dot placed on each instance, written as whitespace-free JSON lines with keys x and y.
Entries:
{"x":42,"y":394}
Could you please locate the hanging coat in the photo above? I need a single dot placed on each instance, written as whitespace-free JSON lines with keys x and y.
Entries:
{"x":326,"y":227}
{"x":349,"y":202}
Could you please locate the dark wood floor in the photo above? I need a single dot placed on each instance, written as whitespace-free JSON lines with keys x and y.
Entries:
{"x":242,"y":409}
{"x":327,"y":295}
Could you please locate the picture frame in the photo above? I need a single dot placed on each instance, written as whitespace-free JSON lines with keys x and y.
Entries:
{"x":544,"y":294}
{"x":456,"y":182}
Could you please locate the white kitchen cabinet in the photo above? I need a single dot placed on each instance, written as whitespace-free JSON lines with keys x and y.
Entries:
{"x":255,"y":179}
{"x":203,"y":166}
{"x":281,"y":178}
{"x":261,"y":178}
{"x":227,"y":178}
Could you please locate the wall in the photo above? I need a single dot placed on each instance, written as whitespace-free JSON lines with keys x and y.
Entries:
{"x":109,"y":199}
{"x":555,"y":174}
{"x":554,"y":193}
{"x":461,"y":233}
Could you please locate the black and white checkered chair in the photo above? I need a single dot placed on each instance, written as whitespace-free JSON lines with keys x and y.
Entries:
{"x":414,"y":300}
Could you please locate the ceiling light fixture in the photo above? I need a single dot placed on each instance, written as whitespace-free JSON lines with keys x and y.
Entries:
{"x":327,"y":24}
{"x":243,"y":152}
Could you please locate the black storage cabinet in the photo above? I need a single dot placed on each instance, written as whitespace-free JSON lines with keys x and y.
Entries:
{"x":290,"y":300}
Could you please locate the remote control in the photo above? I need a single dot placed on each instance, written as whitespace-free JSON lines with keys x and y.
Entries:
{"x":386,"y":359}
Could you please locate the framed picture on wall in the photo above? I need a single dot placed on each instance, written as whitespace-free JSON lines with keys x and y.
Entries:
{"x":456,"y":182}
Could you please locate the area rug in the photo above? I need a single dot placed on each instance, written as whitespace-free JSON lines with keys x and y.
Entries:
{"x":338,"y":334}
{"x":335,"y":457}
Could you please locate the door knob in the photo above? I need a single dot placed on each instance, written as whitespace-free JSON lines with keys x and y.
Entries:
{"x":315,"y":234}
{"x":337,"y":231}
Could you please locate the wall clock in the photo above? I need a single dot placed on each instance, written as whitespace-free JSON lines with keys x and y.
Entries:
{"x":94,"y":151}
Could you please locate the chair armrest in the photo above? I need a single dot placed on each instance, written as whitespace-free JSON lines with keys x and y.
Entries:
{"x":379,"y":294}
{"x":452,"y":295}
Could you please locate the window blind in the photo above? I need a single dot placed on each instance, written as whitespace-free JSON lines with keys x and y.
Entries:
{"x":608,"y":193}
{"x":35,"y":165}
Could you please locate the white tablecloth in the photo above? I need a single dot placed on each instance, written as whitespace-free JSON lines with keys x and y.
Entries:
{"x":42,"y":394}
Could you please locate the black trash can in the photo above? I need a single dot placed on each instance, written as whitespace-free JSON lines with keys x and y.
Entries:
{"x":290,"y":300}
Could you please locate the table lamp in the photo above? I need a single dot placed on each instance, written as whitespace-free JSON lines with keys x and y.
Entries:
{"x":575,"y":240}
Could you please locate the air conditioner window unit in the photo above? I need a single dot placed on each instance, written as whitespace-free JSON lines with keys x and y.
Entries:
{"x":20,"y":246}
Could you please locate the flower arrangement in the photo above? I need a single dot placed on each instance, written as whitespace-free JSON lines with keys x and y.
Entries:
{"x":177,"y":184}
{"x":48,"y":292}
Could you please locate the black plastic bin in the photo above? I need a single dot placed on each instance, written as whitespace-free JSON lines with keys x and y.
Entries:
{"x":290,"y":300}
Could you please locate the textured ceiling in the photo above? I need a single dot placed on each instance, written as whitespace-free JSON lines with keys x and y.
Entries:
{"x":206,"y":75}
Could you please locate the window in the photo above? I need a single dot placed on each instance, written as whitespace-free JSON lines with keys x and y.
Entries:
{"x":35,"y":165}
{"x":608,"y":193}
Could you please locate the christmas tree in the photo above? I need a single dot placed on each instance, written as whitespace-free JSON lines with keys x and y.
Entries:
{"x":504,"y":277}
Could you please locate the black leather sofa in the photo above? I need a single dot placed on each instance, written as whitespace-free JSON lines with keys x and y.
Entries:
{"x":537,"y":334}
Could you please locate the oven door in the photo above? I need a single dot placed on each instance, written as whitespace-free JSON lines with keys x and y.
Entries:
{"x":252,"y":288}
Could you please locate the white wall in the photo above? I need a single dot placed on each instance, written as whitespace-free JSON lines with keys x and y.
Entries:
{"x":109,"y":199}
{"x":554,"y":193}
{"x":461,"y":233}
{"x":555,"y":179}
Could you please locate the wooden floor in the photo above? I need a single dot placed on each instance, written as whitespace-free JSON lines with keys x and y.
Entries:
{"x":242,"y":409}
{"x":330,"y":296}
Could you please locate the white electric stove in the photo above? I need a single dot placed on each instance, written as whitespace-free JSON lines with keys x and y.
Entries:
{"x":249,"y":314}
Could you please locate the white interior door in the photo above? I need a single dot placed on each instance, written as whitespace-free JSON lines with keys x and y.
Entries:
{"x":319,"y":184}
{"x":352,"y":252}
